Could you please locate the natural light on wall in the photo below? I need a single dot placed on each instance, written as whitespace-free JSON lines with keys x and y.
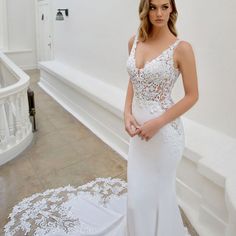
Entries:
{"x":3,"y":26}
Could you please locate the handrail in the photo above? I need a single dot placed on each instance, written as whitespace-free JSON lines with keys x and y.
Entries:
{"x":15,"y":125}
{"x":23,"y":78}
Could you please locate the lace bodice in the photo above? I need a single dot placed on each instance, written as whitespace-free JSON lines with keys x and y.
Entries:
{"x":153,"y":83}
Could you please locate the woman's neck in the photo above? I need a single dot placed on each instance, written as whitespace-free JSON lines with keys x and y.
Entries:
{"x":159,"y":33}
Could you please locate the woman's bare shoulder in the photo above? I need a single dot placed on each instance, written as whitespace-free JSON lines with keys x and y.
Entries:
{"x":131,"y":42}
{"x":184,"y":48}
{"x":184,"y":54}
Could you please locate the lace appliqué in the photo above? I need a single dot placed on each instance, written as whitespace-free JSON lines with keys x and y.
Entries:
{"x":154,"y":82}
{"x":47,"y":212}
{"x":103,"y":190}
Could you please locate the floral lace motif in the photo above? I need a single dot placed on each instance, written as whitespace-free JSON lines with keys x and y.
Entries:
{"x":154,"y":82}
{"x":47,"y":212}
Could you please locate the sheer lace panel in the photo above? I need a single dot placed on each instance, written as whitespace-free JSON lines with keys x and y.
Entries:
{"x":154,"y":82}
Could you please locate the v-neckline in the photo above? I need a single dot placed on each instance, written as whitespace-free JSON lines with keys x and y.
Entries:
{"x":151,"y":60}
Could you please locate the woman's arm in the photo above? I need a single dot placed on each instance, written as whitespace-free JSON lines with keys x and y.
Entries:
{"x":186,"y":62}
{"x":130,"y":92}
{"x":128,"y":99}
{"x":128,"y":117}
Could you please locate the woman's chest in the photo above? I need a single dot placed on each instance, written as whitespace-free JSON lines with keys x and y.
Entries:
{"x":157,"y":69}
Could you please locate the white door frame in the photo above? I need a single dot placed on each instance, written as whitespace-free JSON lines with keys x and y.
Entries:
{"x":49,"y":2}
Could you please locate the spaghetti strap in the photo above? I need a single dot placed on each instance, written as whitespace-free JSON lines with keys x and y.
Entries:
{"x":134,"y":44}
{"x":176,"y":43}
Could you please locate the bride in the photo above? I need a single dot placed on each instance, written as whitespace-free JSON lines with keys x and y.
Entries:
{"x":152,"y":119}
{"x":146,"y":205}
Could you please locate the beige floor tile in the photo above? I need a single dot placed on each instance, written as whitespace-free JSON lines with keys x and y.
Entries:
{"x":90,"y":145}
{"x":33,"y":81}
{"x":56,"y":159}
{"x":42,"y":97}
{"x":122,"y":176}
{"x":111,"y":154}
{"x":16,"y":172}
{"x":48,"y":105}
{"x":37,"y":90}
{"x":15,"y":193}
{"x":100,"y":165}
{"x":74,"y":132}
{"x":44,"y":125}
{"x":61,"y":120}
{"x":4,"y":219}
{"x":33,"y":72}
{"x":1,"y":228}
{"x":40,"y":115}
{"x":49,"y":142}
{"x":74,"y":175}
{"x":83,"y":171}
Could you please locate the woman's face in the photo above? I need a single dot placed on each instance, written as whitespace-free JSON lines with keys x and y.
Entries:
{"x":159,"y":12}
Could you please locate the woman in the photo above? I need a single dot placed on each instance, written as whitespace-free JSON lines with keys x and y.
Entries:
{"x":103,"y":207}
{"x":152,"y":120}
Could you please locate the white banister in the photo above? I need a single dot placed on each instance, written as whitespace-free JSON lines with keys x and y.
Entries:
{"x":15,"y":126}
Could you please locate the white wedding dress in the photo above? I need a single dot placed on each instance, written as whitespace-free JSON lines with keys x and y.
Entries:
{"x":144,"y":206}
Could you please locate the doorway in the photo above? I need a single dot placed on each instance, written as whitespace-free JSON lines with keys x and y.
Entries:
{"x":44,"y":31}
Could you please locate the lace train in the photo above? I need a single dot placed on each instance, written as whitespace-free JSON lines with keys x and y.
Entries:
{"x":95,"y":208}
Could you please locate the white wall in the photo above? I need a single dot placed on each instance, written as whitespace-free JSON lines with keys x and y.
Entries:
{"x":21,"y":32}
{"x":94,"y":39}
{"x":210,"y":27}
{"x":1,"y":24}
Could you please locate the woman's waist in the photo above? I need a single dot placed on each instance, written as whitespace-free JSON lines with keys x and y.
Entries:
{"x":153,"y":105}
{"x":152,"y":108}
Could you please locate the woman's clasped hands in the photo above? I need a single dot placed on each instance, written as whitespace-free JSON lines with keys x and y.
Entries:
{"x":145,"y":131}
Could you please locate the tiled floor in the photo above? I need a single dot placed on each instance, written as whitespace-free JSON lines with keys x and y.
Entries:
{"x":63,"y":152}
